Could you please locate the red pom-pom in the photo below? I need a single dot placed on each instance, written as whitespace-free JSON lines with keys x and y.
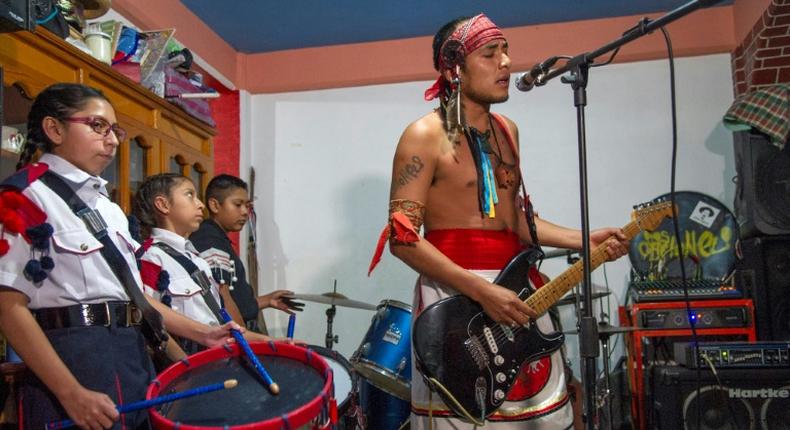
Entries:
{"x":4,"y":247}
{"x":12,"y":199}
{"x":14,"y":223}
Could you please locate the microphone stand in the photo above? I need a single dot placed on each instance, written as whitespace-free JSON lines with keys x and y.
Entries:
{"x":579,"y":68}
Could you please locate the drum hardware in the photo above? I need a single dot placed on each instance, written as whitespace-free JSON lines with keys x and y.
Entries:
{"x":330,"y":340}
{"x":334,"y":299}
{"x":605,"y":329}
{"x":572,"y":298}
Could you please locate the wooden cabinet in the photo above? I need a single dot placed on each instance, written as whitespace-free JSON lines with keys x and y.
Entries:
{"x":161,"y":137}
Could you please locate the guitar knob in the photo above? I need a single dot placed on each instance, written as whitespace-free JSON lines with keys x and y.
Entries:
{"x":500,"y":377}
{"x":499,"y":394}
{"x":498,"y":360}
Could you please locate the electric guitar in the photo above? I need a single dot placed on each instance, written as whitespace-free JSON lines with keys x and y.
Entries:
{"x":472,"y":361}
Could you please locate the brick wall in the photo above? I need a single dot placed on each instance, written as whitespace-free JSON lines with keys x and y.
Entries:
{"x":225,"y":111}
{"x":763,"y":57}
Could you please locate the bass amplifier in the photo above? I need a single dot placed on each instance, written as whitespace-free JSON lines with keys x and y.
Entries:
{"x":703,"y":317}
{"x":733,"y":354}
{"x":753,"y":399}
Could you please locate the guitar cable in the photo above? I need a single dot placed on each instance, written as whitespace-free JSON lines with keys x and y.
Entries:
{"x":438,"y":385}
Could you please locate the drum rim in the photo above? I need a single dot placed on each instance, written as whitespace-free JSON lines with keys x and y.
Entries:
{"x":343,"y":406}
{"x":363,"y":364}
{"x":394,"y":303}
{"x":306,"y":412}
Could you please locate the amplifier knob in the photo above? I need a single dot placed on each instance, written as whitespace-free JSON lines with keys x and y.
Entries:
{"x":499,"y":394}
{"x":500,"y":377}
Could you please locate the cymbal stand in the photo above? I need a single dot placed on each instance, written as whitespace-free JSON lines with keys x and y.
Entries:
{"x":605,"y":397}
{"x":330,"y":339}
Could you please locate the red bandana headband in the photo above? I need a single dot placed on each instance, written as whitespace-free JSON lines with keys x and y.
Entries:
{"x":476,"y":32}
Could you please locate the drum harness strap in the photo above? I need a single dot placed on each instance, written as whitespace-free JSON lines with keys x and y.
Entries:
{"x":197,"y":275}
{"x":153,"y":327}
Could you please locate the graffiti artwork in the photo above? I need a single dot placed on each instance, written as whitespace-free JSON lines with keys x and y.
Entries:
{"x":708,"y":235}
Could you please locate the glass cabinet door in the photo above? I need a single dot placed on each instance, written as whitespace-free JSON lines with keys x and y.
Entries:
{"x":198,"y":176}
{"x":138,"y":164}
{"x":16,"y":105}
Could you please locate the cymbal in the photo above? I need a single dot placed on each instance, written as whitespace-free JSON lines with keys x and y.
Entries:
{"x":570,"y":299}
{"x":607,"y":329}
{"x":336,"y":299}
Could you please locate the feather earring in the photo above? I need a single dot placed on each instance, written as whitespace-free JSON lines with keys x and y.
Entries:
{"x":454,"y":121}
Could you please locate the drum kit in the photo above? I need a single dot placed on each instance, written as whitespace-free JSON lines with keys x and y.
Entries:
{"x":371,"y":390}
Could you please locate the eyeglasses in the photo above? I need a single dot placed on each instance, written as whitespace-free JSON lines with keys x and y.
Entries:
{"x":100,"y":126}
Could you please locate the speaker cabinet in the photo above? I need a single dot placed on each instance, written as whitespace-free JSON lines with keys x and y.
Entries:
{"x":762,"y":195}
{"x":16,"y":15}
{"x":763,"y":274}
{"x":743,"y":399}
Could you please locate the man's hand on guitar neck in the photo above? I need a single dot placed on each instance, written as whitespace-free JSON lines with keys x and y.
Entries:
{"x":503,"y":305}
{"x":615,"y":240}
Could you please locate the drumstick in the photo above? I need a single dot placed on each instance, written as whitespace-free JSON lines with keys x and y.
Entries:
{"x":145,"y":404}
{"x":291,"y":326}
{"x":273,"y":387}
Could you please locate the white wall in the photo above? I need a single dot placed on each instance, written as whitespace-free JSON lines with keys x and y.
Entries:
{"x":323,"y":161}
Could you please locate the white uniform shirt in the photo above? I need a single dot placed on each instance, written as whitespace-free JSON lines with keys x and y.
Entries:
{"x":185,"y":293}
{"x":80,"y":275}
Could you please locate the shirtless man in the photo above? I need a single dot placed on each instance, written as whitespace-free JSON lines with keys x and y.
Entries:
{"x":456,"y":169}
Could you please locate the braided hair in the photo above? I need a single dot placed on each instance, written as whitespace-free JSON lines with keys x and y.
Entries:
{"x":154,"y":186}
{"x":58,"y":101}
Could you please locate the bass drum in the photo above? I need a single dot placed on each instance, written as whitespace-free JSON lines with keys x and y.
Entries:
{"x":304,"y":401}
{"x":383,"y":411}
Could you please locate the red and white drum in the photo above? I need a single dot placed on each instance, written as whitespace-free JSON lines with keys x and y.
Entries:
{"x":305,"y":398}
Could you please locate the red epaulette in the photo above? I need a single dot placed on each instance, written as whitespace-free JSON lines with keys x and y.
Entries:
{"x":24,"y":176}
{"x":17,"y":212}
{"x":149,"y":272}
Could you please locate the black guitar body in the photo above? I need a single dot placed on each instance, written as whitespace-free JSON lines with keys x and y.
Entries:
{"x":473,"y":358}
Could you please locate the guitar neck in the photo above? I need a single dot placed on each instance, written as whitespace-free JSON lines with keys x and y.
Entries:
{"x":546,"y":296}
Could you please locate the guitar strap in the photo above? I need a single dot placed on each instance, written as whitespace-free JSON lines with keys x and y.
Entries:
{"x":153,"y":327}
{"x":198,"y":277}
{"x":529,"y":212}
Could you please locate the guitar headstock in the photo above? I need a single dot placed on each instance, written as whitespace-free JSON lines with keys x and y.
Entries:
{"x":649,"y":215}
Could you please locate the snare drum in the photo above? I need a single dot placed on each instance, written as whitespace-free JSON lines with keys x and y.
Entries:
{"x":384,"y":357}
{"x":304,"y":377}
{"x":345,"y":381}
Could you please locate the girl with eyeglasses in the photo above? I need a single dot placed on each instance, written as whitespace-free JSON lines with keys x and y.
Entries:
{"x":65,"y":309}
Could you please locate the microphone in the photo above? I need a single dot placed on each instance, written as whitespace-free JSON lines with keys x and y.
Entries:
{"x":527,"y":80}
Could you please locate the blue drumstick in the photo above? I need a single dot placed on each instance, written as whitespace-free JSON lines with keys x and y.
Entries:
{"x":145,"y":404}
{"x":291,"y":325}
{"x":273,"y":387}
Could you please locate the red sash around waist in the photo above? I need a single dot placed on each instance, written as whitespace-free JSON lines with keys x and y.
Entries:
{"x":475,"y":249}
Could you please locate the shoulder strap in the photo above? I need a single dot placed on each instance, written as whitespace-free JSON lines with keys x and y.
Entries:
{"x":197,"y":275}
{"x":529,"y":212}
{"x":153,"y":329}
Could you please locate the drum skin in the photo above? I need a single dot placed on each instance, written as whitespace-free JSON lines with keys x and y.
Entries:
{"x":304,"y":377}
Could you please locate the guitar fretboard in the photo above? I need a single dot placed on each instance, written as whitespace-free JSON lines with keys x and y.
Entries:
{"x":546,"y":296}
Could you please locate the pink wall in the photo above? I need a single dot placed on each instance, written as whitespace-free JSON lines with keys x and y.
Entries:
{"x":746,"y":13}
{"x":703,"y":32}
